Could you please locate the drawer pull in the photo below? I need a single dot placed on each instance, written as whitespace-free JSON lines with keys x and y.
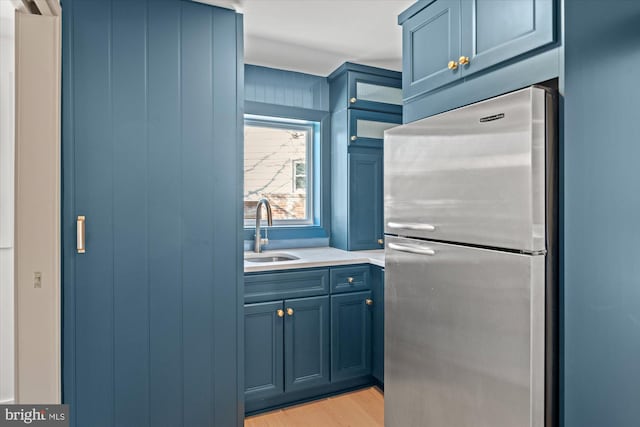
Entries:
{"x":290,"y":311}
{"x":368,"y":301}
{"x":349,"y":280}
{"x":280,"y":313}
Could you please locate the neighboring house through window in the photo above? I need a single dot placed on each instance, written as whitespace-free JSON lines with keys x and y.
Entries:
{"x":299,"y":175}
{"x":278,"y":157}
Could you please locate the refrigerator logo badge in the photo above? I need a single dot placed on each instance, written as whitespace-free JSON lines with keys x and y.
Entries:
{"x":492,"y":118}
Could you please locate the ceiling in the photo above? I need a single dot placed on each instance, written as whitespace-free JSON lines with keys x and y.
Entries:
{"x":316,"y":36}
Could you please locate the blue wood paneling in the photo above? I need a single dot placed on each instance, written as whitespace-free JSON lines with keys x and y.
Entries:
{"x":165,"y":265}
{"x":601,"y":273}
{"x":288,"y":88}
{"x":151,"y":140}
{"x":130,"y":213}
{"x":93,"y":389}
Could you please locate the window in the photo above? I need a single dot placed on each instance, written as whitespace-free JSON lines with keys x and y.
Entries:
{"x":299,"y":176}
{"x":278,"y":158}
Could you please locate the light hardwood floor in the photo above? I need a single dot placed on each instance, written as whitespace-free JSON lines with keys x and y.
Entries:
{"x":361,"y":408}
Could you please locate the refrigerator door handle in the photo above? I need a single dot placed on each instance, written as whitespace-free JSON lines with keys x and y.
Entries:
{"x":411,"y":226}
{"x":412,"y":249}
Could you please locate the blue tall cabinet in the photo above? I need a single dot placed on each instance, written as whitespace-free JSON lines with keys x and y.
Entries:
{"x":365,"y":101}
{"x":152,"y":140}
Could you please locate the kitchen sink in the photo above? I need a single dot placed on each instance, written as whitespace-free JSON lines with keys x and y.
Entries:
{"x":270,"y":258}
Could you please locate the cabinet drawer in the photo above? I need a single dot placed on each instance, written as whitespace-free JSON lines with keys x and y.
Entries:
{"x":282,"y":285}
{"x":349,"y":279}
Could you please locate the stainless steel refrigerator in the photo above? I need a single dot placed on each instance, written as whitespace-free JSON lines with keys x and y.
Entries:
{"x":470,"y":288}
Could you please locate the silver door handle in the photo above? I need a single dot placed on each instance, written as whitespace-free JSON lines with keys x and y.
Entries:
{"x":80,"y":232}
{"x":412,"y":249}
{"x":411,"y":226}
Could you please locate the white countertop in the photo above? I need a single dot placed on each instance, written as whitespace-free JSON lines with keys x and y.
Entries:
{"x":314,"y":257}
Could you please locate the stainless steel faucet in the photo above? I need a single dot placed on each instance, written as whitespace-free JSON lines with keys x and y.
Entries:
{"x":259,"y":241}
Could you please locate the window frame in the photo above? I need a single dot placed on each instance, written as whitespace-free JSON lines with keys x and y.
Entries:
{"x":290,"y":124}
{"x":318,"y":232}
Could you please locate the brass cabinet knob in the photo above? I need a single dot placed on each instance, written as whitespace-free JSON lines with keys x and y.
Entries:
{"x":452,"y":65}
{"x":464,"y":60}
{"x":280,"y":313}
{"x":368,"y":301}
{"x":380,"y":241}
{"x":353,"y":100}
{"x":290,"y":311}
{"x":349,"y":279}
{"x":353,"y":137}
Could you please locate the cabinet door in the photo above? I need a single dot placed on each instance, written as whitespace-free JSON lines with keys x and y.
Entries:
{"x":366,"y":128}
{"x":306,"y":336}
{"x":430,"y":40}
{"x":494,"y":31}
{"x":377,"y":368}
{"x":365,"y":199}
{"x":263,"y":350}
{"x":377,"y":93}
{"x":351,"y":335}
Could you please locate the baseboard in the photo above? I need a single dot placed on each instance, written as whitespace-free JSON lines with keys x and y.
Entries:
{"x":7,"y":402}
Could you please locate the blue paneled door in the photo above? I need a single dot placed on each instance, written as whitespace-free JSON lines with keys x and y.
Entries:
{"x":351,"y":319}
{"x":263,"y":350}
{"x":494,"y":31}
{"x":431,"y":39}
{"x":365,"y":199}
{"x":151,"y":148}
{"x":306,"y":342}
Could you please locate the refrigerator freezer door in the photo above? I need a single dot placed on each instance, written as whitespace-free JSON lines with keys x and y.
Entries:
{"x":464,"y":336}
{"x":473,"y":175}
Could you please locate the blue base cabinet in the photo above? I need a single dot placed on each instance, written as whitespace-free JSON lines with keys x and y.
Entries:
{"x":448,"y":40}
{"x":377,"y":352}
{"x":351,"y":321}
{"x":263,"y":350}
{"x":306,"y":342}
{"x":297,"y":349}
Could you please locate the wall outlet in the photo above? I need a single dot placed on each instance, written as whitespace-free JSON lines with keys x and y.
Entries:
{"x":37,"y":279}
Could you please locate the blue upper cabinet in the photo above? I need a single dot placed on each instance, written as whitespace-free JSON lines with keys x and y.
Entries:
{"x":431,"y":47}
{"x":494,"y":31}
{"x":366,"y":88}
{"x":447,"y":40}
{"x":365,"y":200}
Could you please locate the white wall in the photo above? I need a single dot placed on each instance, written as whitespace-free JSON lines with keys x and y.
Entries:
{"x":7,"y":40}
{"x":37,"y":213}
